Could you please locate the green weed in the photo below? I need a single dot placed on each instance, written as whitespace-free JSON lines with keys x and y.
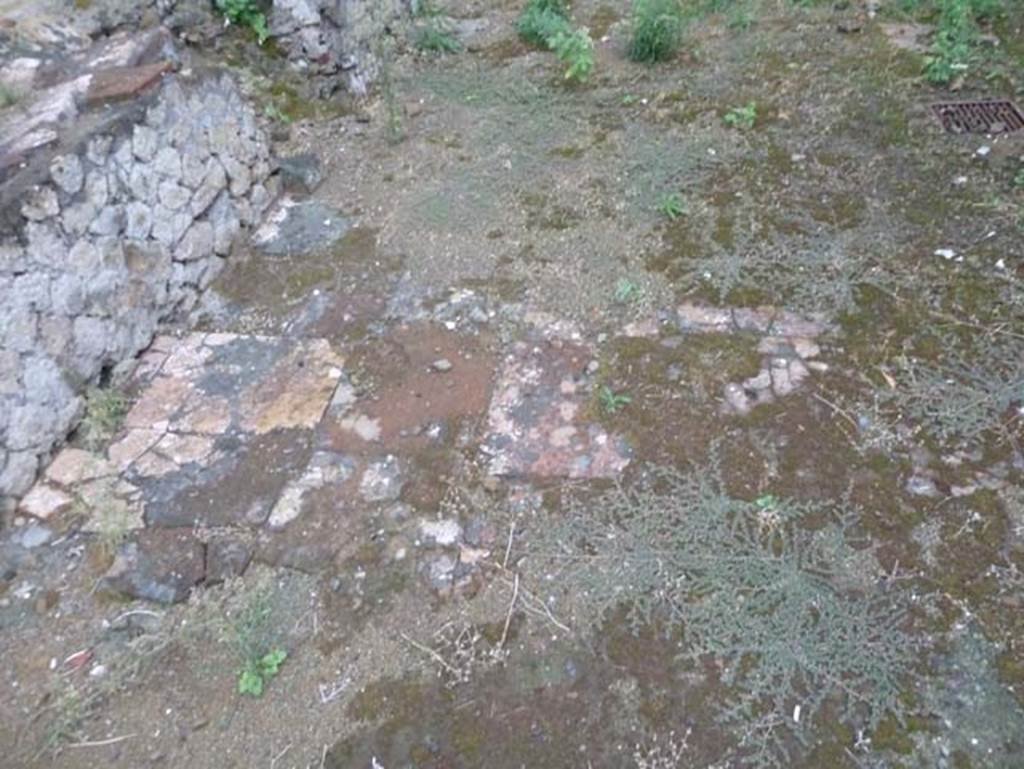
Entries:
{"x":576,"y":50}
{"x":8,"y":97}
{"x":248,"y":630}
{"x":657,"y":28}
{"x":256,"y":673}
{"x":105,"y":409}
{"x":743,"y":117}
{"x":546,"y":23}
{"x":245,"y":13}
{"x":611,"y":401}
{"x":541,"y":20}
{"x":274,"y":112}
{"x":781,"y":594}
{"x":672,"y":206}
{"x":954,"y":48}
{"x":627,"y":291}
{"x":435,"y":33}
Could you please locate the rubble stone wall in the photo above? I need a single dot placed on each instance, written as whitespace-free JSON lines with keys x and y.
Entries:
{"x":121,"y":230}
{"x":338,"y":40}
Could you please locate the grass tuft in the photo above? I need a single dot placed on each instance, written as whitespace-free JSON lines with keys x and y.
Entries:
{"x":657,"y":29}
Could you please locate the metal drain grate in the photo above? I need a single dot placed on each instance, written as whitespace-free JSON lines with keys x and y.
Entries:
{"x":979,"y":117}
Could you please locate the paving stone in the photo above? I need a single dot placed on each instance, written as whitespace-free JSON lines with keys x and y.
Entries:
{"x":300,"y":228}
{"x":45,"y":501}
{"x":119,"y":83}
{"x":535,"y":422}
{"x":157,"y":565}
{"x":226,"y":558}
{"x":73,"y":466}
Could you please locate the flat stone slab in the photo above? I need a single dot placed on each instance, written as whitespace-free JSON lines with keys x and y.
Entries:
{"x":537,"y":424}
{"x":222,"y":423}
{"x":157,"y":565}
{"x":119,"y":83}
{"x":295,"y":228}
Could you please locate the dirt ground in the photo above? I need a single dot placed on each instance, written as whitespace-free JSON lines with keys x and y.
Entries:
{"x":514,"y":323}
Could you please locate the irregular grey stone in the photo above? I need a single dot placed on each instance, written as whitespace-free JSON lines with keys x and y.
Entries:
{"x":922,"y":486}
{"x":226,"y":558}
{"x":196,"y":243}
{"x":445,"y":532}
{"x":239,"y":176}
{"x":226,"y":224}
{"x":440,"y":571}
{"x":19,"y":327}
{"x":67,"y":296}
{"x":77,"y":218}
{"x":32,"y":290}
{"x":173,"y":196}
{"x":300,"y":173}
{"x":91,"y":337}
{"x":382,"y":480}
{"x":215,"y":180}
{"x":10,"y":371}
{"x":145,"y":142}
{"x":161,"y":565}
{"x":55,"y":334}
{"x":169,"y":226}
{"x":138,"y":220}
{"x":143,"y":182}
{"x":33,"y":535}
{"x":84,"y":256}
{"x":168,"y":163}
{"x":98,"y":149}
{"x":67,"y":173}
{"x":41,"y":204}
{"x":18,"y":473}
{"x":109,"y":221}
{"x":300,"y":228}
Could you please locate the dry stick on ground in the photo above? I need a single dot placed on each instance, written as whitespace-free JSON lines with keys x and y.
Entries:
{"x":508,"y":547}
{"x":101,"y":743}
{"x":279,"y":756}
{"x":511,"y":607}
{"x":427,"y":650}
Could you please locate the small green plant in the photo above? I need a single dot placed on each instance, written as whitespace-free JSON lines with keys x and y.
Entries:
{"x":541,"y":19}
{"x":657,"y":28}
{"x":743,"y":117}
{"x":780,"y":594}
{"x":105,"y":408}
{"x":435,"y":32}
{"x":672,"y":206}
{"x":274,"y":112}
{"x":611,"y":401}
{"x":741,"y":18}
{"x":952,"y":48}
{"x":245,"y":13}
{"x":8,"y":96}
{"x":546,"y":23}
{"x":575,"y":49}
{"x":1018,"y":180}
{"x":626,"y":291}
{"x":957,"y":37}
{"x":248,"y":630}
{"x":256,"y":673}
